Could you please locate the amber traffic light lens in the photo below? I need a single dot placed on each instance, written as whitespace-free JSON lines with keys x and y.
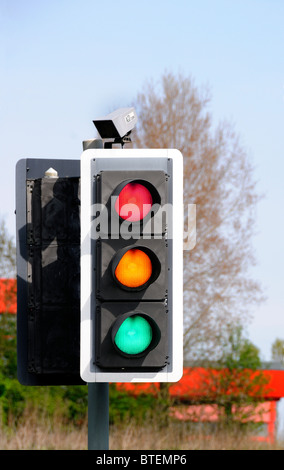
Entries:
{"x":134,"y":268}
{"x":134,"y":202}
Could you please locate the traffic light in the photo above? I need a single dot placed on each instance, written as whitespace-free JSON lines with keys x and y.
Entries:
{"x":131,"y":265}
{"x":48,"y":271}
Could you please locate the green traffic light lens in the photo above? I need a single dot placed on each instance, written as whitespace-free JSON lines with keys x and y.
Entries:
{"x":134,"y":335}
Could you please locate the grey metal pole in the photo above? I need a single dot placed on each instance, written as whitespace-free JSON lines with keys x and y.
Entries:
{"x":98,"y":416}
{"x":92,"y":144}
{"x":98,"y":393}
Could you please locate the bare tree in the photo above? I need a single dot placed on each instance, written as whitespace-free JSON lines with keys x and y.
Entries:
{"x":218,"y":178}
{"x":7,"y":253}
{"x":277,"y":350}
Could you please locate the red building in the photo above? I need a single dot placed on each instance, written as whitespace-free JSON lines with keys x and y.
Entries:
{"x":8,"y":296}
{"x":190,"y":392}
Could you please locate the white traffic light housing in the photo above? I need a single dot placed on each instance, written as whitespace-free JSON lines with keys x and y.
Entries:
{"x":131,"y":265}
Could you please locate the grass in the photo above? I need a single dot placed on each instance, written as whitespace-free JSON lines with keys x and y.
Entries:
{"x":33,"y":433}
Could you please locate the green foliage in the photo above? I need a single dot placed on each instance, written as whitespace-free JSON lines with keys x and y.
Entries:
{"x":238,"y":386}
{"x":8,"y":356}
{"x":77,"y":403}
{"x":12,"y":400}
{"x":238,"y":352}
{"x":124,"y":407}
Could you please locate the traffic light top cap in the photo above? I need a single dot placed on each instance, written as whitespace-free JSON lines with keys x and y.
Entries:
{"x":117,"y":124}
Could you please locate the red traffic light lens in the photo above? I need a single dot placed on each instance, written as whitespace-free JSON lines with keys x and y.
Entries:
{"x":135,"y":199}
{"x":134,"y":269}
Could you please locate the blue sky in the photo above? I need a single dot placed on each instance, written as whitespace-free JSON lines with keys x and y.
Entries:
{"x":64,"y":63}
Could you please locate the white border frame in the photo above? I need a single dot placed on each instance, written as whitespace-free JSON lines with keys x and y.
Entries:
{"x":89,"y":371}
